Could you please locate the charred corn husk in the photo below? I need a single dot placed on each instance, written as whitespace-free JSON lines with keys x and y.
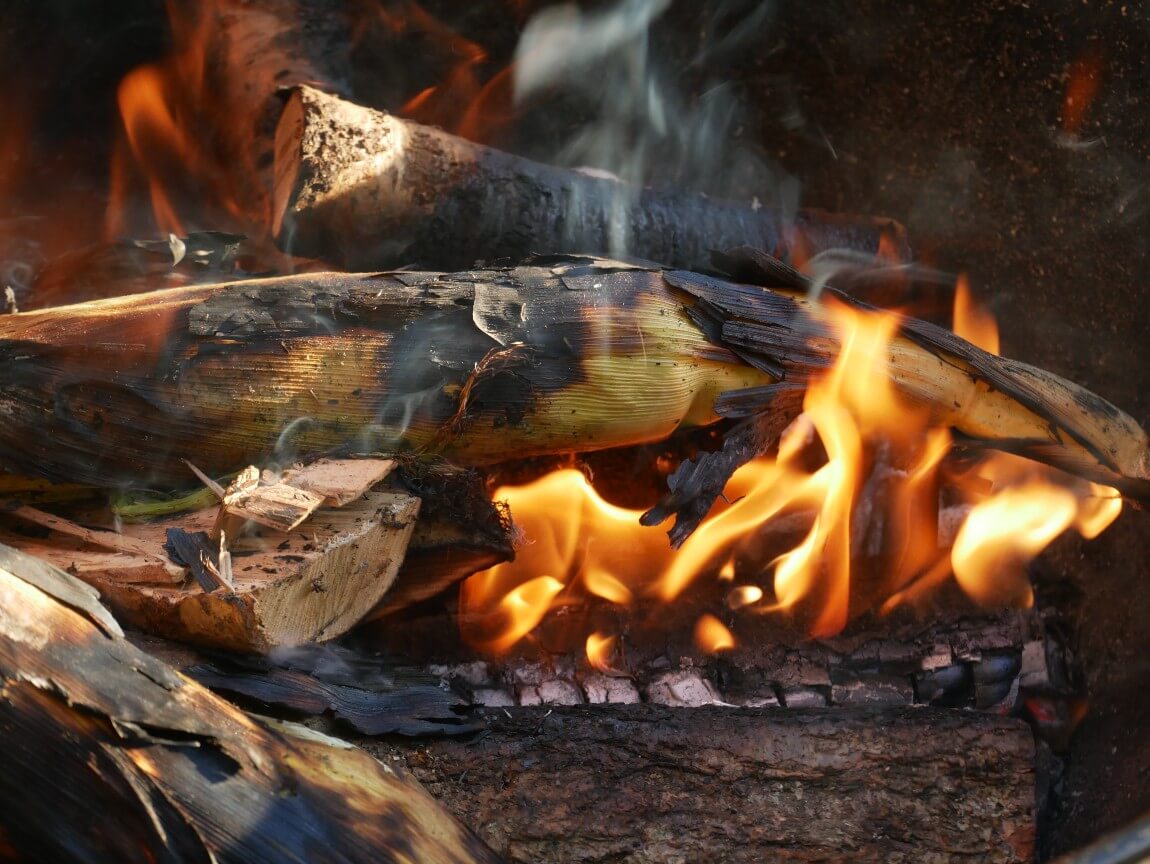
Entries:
{"x":564,"y":354}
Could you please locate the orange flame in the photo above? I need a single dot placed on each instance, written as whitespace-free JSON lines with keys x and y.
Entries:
{"x":466,"y":98}
{"x":712,"y":635}
{"x":156,"y":143}
{"x":600,"y":652}
{"x":857,"y":444}
{"x":972,"y":322}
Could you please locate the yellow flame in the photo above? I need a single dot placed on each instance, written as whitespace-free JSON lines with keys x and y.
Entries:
{"x":744,"y":595}
{"x":862,"y":468}
{"x":712,"y":636}
{"x":973,"y":322}
{"x":1002,"y":534}
{"x":601,"y":651}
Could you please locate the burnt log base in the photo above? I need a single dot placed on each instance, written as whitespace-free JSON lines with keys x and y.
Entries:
{"x":986,"y":661}
{"x":651,"y":784}
{"x":110,"y":755}
{"x":362,"y":189}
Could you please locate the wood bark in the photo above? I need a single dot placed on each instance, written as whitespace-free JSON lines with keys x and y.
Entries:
{"x":567,"y":354}
{"x":110,"y":755}
{"x":649,"y":784}
{"x":363,"y":189}
{"x":245,"y":52}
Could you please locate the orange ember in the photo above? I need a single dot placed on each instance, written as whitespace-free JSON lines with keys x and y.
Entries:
{"x":1083,"y":80}
{"x":856,"y":477}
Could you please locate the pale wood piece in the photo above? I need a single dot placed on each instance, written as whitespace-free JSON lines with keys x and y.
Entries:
{"x":339,"y":481}
{"x":311,"y":585}
{"x":135,"y":546}
{"x":279,"y":506}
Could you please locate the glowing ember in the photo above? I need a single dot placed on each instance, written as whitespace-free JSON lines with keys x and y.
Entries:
{"x":1083,"y":80}
{"x":857,"y":475}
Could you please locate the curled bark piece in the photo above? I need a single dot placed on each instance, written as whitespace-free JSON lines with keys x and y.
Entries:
{"x":113,"y":756}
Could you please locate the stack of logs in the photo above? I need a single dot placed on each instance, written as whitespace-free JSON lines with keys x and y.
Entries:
{"x":678,"y":758}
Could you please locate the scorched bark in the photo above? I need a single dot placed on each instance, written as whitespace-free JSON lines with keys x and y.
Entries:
{"x":565,"y":354}
{"x":648,"y":784}
{"x":110,"y":755}
{"x":365,"y":189}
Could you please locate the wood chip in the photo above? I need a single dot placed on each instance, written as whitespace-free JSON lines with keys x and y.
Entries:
{"x":153,"y":552}
{"x":340,"y":481}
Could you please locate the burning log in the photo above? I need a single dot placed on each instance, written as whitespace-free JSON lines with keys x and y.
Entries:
{"x":958,"y":658}
{"x":230,"y":61}
{"x":566,"y":354}
{"x":112,"y":755}
{"x":644,"y":783}
{"x":363,"y":189}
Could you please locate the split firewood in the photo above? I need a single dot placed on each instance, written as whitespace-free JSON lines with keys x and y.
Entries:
{"x":566,"y":354}
{"x":255,"y":589}
{"x":364,"y":189}
{"x":158,"y":567}
{"x":642,"y":783}
{"x":110,"y":755}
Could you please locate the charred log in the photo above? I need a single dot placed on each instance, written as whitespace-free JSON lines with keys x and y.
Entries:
{"x":363,"y":189}
{"x":646,"y":784}
{"x":564,"y":355}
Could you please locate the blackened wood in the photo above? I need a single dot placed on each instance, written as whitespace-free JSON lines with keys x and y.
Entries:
{"x":246,"y":52}
{"x":363,"y":189}
{"x":566,"y":354}
{"x":110,"y":755}
{"x":650,"y":784}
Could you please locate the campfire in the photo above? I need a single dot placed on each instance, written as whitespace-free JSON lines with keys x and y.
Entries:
{"x":420,"y":372}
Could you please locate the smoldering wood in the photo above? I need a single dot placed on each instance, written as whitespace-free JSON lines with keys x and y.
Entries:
{"x":363,"y":189}
{"x":566,"y":354}
{"x":131,"y":266}
{"x":375,"y":695}
{"x":112,"y":755}
{"x":460,"y":531}
{"x":957,"y":658}
{"x":644,"y":784}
